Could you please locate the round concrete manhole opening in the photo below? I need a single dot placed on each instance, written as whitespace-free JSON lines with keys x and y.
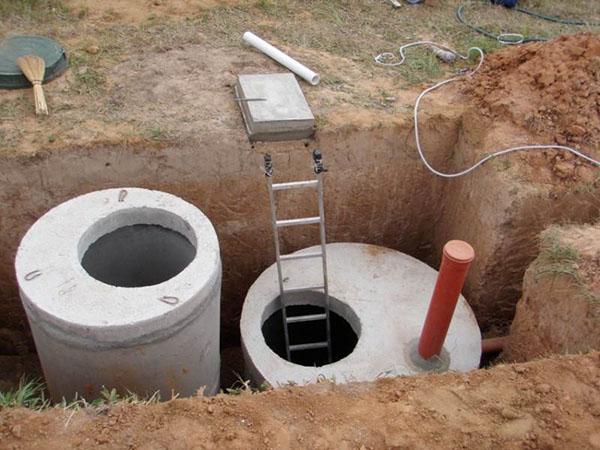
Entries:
{"x":137,"y":255}
{"x":343,"y":336}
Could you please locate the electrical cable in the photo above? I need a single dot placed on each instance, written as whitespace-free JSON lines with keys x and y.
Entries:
{"x":383,"y":56}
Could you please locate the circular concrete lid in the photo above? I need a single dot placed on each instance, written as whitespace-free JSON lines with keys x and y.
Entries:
{"x":387,"y":291}
{"x":57,"y":290}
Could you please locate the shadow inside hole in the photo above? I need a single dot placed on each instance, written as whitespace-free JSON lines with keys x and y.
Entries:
{"x":343,"y":337}
{"x":138,"y":255}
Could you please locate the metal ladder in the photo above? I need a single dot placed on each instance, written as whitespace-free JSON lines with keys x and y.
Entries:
{"x":317,"y":183}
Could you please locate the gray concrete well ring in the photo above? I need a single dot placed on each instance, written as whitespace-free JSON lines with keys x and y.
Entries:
{"x":122,"y":288}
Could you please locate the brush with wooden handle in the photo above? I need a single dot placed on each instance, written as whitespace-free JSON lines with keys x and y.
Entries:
{"x":34,"y":67}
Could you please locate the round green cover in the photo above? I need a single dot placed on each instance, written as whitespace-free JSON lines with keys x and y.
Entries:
{"x":11,"y":48}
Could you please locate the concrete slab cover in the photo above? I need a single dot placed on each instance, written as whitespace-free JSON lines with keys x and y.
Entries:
{"x":283,"y":114}
{"x":384,"y":295}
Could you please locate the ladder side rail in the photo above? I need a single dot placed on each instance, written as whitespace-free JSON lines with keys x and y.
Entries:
{"x":278,"y":260}
{"x":319,"y":175}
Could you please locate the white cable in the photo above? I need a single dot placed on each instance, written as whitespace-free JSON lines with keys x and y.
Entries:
{"x":380,"y":59}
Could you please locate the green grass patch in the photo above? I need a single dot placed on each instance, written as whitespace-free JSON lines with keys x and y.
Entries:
{"x":555,"y":256}
{"x":244,"y":386}
{"x":29,"y":394}
{"x":88,"y":79}
{"x":157,"y":132}
{"x":36,"y":10}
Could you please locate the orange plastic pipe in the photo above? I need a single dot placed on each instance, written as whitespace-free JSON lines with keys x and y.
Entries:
{"x":456,"y":260}
{"x":493,"y":344}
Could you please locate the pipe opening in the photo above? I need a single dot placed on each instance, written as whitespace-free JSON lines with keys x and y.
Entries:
{"x":126,"y":254}
{"x":343,"y":336}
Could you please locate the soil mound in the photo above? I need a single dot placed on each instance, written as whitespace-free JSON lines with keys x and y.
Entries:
{"x":552,"y":89}
{"x":549,"y":404}
{"x":560,"y":310}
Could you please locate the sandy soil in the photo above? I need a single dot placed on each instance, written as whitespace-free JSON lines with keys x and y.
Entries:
{"x":547,"y":404}
{"x":560,"y":308}
{"x":549,"y":90}
{"x":138,"y":11}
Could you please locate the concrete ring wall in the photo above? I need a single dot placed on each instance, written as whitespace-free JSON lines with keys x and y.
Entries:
{"x":89,"y":334}
{"x":382,"y":293}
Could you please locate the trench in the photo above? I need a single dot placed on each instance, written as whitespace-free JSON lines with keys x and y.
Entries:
{"x":376,"y":191}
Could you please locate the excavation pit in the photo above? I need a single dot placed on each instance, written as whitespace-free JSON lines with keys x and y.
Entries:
{"x":377,"y":189}
{"x":149,"y":102}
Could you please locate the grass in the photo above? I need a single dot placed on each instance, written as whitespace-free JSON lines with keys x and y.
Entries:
{"x":342,"y":38}
{"x":88,"y":78}
{"x":355,"y":31}
{"x":242,"y":386}
{"x":157,"y":132}
{"x":31,"y":393}
{"x":555,"y":256}
{"x":34,"y":10}
{"x":558,"y":258}
{"x":359,"y":30}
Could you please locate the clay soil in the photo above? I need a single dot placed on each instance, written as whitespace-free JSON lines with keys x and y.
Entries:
{"x":559,"y":311}
{"x":552,"y":91}
{"x":115,"y":122}
{"x":550,"y":404}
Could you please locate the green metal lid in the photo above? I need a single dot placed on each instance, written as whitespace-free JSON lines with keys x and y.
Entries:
{"x":11,"y":48}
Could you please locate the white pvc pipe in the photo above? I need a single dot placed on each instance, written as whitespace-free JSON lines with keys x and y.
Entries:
{"x":299,"y":69}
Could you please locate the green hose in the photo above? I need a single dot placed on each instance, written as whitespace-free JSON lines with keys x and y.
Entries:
{"x":557,"y":19}
{"x":499,"y":37}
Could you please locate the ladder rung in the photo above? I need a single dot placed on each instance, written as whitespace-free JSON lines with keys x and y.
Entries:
{"x":295,"y":185}
{"x":306,"y":318}
{"x":301,"y":256}
{"x":303,"y":289}
{"x":311,"y":346}
{"x":301,"y":221}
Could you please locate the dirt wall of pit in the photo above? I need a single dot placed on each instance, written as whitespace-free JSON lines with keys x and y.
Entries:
{"x":559,"y":311}
{"x":373,"y":194}
{"x":501,"y":210}
{"x":377,"y":191}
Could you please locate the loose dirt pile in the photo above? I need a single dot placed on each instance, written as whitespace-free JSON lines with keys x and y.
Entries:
{"x":551,"y":89}
{"x":543,"y":404}
{"x":560,"y":308}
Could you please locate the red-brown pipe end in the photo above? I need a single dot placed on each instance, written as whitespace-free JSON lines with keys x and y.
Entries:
{"x":459,"y":252}
{"x":451,"y":277}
